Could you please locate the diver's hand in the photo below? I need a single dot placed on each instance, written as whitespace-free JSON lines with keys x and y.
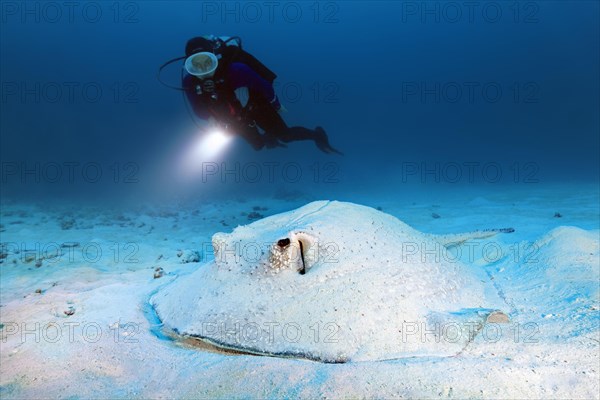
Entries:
{"x":214,"y":124}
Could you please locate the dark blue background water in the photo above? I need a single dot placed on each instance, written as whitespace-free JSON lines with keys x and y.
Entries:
{"x":424,"y":93}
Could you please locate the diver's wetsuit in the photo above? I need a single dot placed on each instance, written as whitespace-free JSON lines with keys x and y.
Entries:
{"x":260,"y":111}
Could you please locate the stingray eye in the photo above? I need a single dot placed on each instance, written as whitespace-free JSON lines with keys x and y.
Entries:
{"x":283,"y":242}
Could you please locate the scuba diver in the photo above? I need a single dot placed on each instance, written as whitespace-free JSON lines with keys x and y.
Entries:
{"x":230,"y":87}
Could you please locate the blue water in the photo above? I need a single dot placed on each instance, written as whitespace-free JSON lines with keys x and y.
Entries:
{"x":416,"y":94}
{"x":453,"y":116}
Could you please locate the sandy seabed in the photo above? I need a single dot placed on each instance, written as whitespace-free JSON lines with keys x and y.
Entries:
{"x":75,"y":320}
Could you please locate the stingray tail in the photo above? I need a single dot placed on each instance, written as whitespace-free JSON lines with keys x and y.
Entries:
{"x":456,"y":239}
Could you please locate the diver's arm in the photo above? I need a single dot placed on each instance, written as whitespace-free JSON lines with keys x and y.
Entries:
{"x":241,"y":75}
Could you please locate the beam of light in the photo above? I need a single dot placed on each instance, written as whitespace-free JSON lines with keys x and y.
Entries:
{"x":212,"y":144}
{"x":206,"y":147}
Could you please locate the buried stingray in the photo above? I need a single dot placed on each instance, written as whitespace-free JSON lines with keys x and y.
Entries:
{"x":331,"y":282}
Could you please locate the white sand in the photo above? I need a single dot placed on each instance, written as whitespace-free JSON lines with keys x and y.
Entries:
{"x":109,"y":347}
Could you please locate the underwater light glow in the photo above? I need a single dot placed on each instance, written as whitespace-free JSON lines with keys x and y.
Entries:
{"x":211,"y":144}
{"x":205,"y":148}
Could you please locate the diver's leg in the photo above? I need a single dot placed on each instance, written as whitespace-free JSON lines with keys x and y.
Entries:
{"x":268,"y":119}
{"x":318,"y":135}
{"x":272,"y":123}
{"x":322,"y":142}
{"x":296,"y":133}
{"x":274,"y":126}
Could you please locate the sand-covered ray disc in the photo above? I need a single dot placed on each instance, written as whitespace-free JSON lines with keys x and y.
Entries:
{"x":330,"y":281}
